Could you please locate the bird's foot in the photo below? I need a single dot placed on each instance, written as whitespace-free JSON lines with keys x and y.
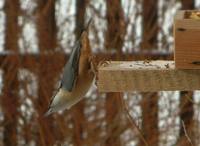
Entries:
{"x":94,"y":68}
{"x":104,"y":63}
{"x":93,"y":64}
{"x":101,"y":63}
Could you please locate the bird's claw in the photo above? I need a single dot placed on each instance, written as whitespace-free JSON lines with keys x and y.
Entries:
{"x":93,"y":64}
{"x":101,"y":63}
{"x":104,"y":63}
{"x":94,"y":68}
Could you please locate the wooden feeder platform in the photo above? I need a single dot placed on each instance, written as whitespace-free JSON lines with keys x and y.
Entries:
{"x":182,"y":74}
{"x":146,"y":76}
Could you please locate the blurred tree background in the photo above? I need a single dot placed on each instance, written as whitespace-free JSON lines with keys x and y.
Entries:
{"x":36,"y":37}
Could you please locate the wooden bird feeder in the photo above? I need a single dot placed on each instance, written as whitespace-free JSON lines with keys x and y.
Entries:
{"x":148,"y":76}
{"x":187,"y":39}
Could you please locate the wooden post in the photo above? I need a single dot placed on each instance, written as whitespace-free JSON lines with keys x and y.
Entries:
{"x":127,"y":76}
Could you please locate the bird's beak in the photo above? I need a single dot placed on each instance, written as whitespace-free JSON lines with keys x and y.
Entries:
{"x":85,"y":31}
{"x":88,"y":24}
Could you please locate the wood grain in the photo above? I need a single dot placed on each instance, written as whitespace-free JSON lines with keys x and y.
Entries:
{"x":187,"y":42}
{"x":146,"y":76}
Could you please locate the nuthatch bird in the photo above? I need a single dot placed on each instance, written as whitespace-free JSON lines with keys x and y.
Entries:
{"x":77,"y":76}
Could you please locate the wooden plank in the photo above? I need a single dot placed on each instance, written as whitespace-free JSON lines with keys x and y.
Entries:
{"x":179,"y":15}
{"x":146,"y":76}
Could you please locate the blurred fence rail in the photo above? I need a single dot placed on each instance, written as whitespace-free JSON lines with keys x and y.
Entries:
{"x":133,"y":31}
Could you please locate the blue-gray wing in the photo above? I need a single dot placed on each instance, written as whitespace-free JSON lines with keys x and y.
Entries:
{"x":70,"y":72}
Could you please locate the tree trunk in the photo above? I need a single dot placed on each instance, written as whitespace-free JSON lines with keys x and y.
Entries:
{"x":150,"y":24}
{"x":150,"y":109}
{"x":9,"y":101}
{"x":186,"y":119}
{"x":149,"y":102}
{"x":46,"y":28}
{"x":188,"y":4}
{"x":46,"y":25}
{"x":78,"y":116}
{"x":114,"y":40}
{"x":116,"y":27}
{"x":113,"y":119}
